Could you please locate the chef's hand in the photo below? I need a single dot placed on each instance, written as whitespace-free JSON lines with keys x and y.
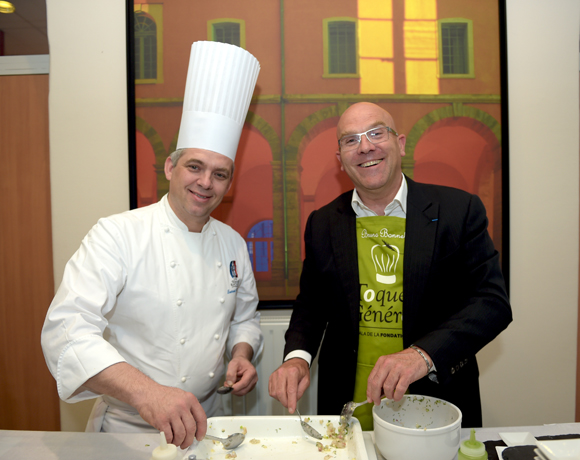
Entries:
{"x":288,"y":383}
{"x":393,"y":374}
{"x":241,"y":374}
{"x":176,"y":412}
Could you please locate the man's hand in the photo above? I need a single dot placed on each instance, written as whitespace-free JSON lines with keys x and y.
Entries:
{"x":288,"y":383}
{"x":241,"y":374}
{"x":393,"y":374}
{"x":176,"y":412}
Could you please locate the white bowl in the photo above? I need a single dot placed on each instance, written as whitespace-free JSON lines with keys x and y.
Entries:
{"x":417,"y":427}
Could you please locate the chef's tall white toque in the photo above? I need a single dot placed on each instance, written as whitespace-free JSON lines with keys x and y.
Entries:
{"x":219,"y":87}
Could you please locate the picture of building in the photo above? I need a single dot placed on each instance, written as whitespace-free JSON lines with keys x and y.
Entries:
{"x":433,"y":64}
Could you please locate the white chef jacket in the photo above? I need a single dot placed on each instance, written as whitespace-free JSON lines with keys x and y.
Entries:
{"x":142,"y":289}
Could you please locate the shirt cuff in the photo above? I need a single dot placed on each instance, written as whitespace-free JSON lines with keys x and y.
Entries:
{"x":299,"y":354}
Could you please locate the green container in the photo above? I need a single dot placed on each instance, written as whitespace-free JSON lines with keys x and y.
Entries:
{"x":472,"y":449}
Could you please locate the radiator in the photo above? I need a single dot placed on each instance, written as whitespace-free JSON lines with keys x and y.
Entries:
{"x":274,"y":324}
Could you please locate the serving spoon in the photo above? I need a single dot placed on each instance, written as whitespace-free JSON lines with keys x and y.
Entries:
{"x":231,"y":442}
{"x":223,"y":390}
{"x":308,"y":429}
{"x":348,"y":409}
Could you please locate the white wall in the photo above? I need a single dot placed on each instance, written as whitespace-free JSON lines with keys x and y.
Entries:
{"x":528,"y":373}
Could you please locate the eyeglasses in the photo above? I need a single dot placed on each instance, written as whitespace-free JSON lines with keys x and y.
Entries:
{"x":374,"y":136}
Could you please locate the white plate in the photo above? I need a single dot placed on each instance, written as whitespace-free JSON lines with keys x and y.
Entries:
{"x":561,"y":449}
{"x":522,"y":438}
{"x":280,"y":438}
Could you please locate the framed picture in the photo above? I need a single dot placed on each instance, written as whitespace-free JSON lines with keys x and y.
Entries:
{"x":438,"y":66}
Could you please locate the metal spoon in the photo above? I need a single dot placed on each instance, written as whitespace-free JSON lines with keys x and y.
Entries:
{"x":223,"y":390}
{"x":348,"y":409}
{"x":307,"y":428}
{"x":231,"y":442}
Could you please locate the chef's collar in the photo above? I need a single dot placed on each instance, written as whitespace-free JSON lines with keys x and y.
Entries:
{"x":397,"y":207}
{"x":176,"y":221}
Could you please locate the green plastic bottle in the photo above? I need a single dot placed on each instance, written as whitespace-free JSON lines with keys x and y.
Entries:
{"x":472,"y":449}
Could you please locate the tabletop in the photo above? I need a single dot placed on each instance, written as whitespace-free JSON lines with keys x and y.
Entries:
{"x":61,"y":445}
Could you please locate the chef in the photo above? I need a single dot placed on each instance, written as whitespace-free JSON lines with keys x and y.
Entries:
{"x":155,"y":297}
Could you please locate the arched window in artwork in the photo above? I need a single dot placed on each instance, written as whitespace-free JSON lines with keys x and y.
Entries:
{"x":260,"y":241}
{"x":145,"y":47}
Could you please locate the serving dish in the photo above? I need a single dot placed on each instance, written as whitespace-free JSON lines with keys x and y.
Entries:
{"x":561,"y":449}
{"x":518,"y":438}
{"x":280,"y":438}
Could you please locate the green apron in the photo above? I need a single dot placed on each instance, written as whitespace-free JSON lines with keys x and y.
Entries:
{"x":380,"y":244}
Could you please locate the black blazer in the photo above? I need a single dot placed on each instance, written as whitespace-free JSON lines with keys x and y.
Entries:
{"x":454,"y":295}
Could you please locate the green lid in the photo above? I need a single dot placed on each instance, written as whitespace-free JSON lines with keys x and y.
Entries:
{"x":472,"y":449}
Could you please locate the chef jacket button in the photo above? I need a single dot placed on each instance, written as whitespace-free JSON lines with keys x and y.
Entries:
{"x":217,"y":336}
{"x":183,"y":379}
{"x":219,"y":264}
{"x":211,"y":374}
{"x":182,"y":341}
{"x":179,"y":303}
{"x":172,"y":264}
{"x":166,"y":229}
{"x":222,"y":300}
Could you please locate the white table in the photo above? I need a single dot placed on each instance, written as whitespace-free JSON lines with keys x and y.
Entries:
{"x":59,"y":445}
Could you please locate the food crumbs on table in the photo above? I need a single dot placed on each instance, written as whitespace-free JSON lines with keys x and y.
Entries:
{"x":147,"y":445}
{"x":231,"y":455}
{"x":244,"y":429}
{"x":223,"y":430}
{"x":254,"y":441}
{"x":294,"y":442}
{"x":264,"y":447}
{"x":327,"y":457}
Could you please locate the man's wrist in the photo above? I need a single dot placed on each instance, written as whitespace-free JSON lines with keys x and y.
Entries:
{"x":428,"y":363}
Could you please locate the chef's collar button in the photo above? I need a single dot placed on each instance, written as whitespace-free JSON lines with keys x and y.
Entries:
{"x":217,"y":336}
{"x":166,"y":229}
{"x":172,"y":264}
{"x":222,"y":300}
{"x":183,"y":379}
{"x":179,"y":302}
{"x":182,"y":341}
{"x":211,"y":374}
{"x":219,"y":264}
{"x":214,"y":233}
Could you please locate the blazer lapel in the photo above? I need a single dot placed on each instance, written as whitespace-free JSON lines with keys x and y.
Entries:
{"x":421,"y":229}
{"x":344,"y":247}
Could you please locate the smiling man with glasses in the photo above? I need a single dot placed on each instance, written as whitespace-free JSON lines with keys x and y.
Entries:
{"x":400,"y":278}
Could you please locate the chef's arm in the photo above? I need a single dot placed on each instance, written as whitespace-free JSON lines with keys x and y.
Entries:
{"x":241,"y":373}
{"x":176,"y":412}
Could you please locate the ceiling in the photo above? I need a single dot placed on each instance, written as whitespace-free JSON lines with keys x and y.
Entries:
{"x":25,"y":29}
